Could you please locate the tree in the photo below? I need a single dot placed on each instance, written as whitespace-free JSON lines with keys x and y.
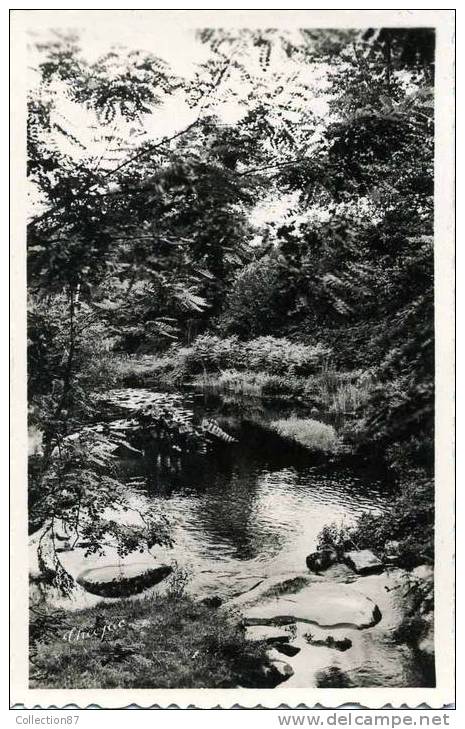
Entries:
{"x":362,"y":267}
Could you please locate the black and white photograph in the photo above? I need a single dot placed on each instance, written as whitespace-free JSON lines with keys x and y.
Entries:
{"x":232,"y":312}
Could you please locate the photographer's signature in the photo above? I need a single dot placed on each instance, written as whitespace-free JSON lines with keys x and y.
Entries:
{"x":101,"y":631}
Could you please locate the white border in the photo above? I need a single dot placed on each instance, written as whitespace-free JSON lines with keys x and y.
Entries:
{"x":443,"y":694}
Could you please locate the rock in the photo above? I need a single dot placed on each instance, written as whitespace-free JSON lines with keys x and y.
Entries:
{"x":424,"y":572}
{"x":266,"y":633}
{"x":287,"y":649}
{"x":324,"y":603}
{"x":333,"y":677}
{"x":322,"y":559}
{"x":122,"y":580}
{"x":279,"y":584}
{"x":363,"y":562}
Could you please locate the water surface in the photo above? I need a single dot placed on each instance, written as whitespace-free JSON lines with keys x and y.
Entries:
{"x":253,"y":508}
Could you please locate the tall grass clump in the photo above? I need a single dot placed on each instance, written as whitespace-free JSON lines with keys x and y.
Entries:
{"x":350,"y":397}
{"x":311,"y":434}
{"x":340,"y":393}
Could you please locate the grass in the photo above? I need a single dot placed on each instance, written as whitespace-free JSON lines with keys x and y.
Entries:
{"x":311,"y":434}
{"x":349,"y":398}
{"x":160,"y":641}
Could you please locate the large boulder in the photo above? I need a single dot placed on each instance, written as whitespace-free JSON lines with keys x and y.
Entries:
{"x":323,"y":603}
{"x":363,"y":562}
{"x":122,"y":580}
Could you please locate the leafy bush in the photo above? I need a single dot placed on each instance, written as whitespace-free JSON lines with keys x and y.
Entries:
{"x":137,"y":370}
{"x":334,"y":536}
{"x":409,"y":520}
{"x":209,"y":353}
{"x":282,"y":357}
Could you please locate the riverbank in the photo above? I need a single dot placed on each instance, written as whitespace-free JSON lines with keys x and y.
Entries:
{"x":266,"y":367}
{"x":162,"y":641}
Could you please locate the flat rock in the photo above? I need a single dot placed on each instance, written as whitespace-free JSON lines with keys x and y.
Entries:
{"x":122,"y":580}
{"x":363,"y":562}
{"x":322,"y":603}
{"x":267,"y":633}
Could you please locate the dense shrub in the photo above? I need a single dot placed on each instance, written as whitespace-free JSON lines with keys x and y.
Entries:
{"x":209,"y":353}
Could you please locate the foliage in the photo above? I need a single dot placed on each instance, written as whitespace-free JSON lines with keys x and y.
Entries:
{"x":177,"y":582}
{"x":81,"y":495}
{"x":336,"y":537}
{"x":410,"y":631}
{"x":271,"y":355}
{"x":156,"y":642}
{"x":408,"y":522}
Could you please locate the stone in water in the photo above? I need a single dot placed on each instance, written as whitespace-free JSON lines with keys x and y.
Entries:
{"x":122,"y":580}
